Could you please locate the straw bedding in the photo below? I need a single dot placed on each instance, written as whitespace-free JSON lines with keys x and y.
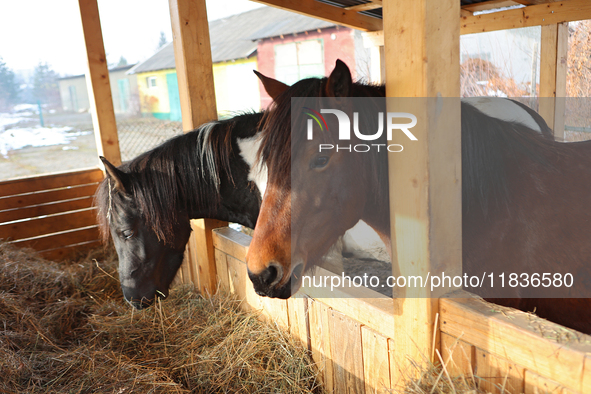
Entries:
{"x":64,"y":328}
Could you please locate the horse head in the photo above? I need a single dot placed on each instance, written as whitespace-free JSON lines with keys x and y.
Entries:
{"x":147,"y":264}
{"x":306,"y":187}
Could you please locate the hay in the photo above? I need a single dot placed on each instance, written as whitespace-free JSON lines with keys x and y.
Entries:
{"x":65,"y":328}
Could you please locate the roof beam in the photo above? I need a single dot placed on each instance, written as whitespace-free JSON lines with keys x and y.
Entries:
{"x":533,"y":15}
{"x":337,"y":15}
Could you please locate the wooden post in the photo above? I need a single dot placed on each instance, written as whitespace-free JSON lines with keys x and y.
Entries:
{"x":422,"y":60}
{"x":194,"y":70}
{"x":99,"y":87}
{"x":553,"y":58}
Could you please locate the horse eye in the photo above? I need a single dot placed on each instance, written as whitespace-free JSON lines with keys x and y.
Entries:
{"x":127,"y":234}
{"x":319,"y":162}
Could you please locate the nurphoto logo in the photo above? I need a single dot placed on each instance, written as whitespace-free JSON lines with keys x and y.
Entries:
{"x":344,"y":129}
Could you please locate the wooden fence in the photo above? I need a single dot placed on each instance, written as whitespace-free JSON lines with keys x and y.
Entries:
{"x":52,"y":213}
{"x":352,"y":339}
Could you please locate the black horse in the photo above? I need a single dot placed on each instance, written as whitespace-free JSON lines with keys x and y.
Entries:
{"x":146,"y":204}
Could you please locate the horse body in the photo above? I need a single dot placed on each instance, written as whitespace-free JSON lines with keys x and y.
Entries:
{"x":147,"y":203}
{"x":525,"y":202}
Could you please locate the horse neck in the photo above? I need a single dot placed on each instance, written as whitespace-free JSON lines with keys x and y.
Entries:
{"x":224,"y":172}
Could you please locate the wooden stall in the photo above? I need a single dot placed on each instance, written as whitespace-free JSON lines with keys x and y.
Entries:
{"x":367,"y":343}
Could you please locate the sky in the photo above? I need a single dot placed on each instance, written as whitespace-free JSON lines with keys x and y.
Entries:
{"x":33,"y":31}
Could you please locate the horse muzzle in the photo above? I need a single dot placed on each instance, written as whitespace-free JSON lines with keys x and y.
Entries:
{"x":142,"y":300}
{"x":268,"y":283}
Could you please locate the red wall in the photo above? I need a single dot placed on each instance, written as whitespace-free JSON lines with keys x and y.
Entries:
{"x":342,"y":47}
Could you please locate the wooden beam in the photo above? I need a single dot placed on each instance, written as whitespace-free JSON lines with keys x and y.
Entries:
{"x":48,"y":182}
{"x":192,"y":52}
{"x":99,"y":87}
{"x":553,"y":58}
{"x":194,"y":70}
{"x":538,"y":345}
{"x":326,"y":12}
{"x":422,"y":60}
{"x":534,"y":15}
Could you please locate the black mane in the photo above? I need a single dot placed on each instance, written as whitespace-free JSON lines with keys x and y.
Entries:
{"x":179,"y":176}
{"x":277,"y":127}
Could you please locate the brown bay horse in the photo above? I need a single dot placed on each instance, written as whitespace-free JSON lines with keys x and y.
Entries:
{"x":525,"y":201}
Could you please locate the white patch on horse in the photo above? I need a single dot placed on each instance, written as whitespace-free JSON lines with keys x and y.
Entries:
{"x":503,"y":109}
{"x":208,"y":155}
{"x":258,"y":172}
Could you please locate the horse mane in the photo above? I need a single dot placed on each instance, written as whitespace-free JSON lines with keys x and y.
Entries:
{"x":180,"y":176}
{"x":491,"y":148}
{"x":276,"y":134}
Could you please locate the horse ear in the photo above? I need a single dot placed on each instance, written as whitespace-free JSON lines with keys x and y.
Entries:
{"x":272,"y":86}
{"x":115,"y":174}
{"x":339,"y":82}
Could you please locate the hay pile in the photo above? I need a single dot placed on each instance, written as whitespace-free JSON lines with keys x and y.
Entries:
{"x":65,"y":328}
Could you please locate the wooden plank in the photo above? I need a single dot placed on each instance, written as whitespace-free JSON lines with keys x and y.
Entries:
{"x":320,"y":342}
{"x":203,"y":241}
{"x":548,"y":62}
{"x":497,"y":375}
{"x":553,"y":64}
{"x":459,"y":353}
{"x":47,"y":196}
{"x":534,"y":15}
{"x":422,"y":60}
{"x":48,"y":182}
{"x":346,"y":352}
{"x":561,"y":68}
{"x":297,"y":307}
{"x":238,"y":280}
{"x":99,"y":87}
{"x":48,"y":225}
{"x":326,"y":12}
{"x":274,"y":310}
{"x":192,"y":51}
{"x":46,"y":209}
{"x":64,"y":238}
{"x":184,"y":271}
{"x":71,"y":251}
{"x":221,"y":263}
{"x":193,"y":62}
{"x":511,"y":338}
{"x":231,"y":242}
{"x":536,"y":384}
{"x":587,"y":375}
{"x":364,"y":305}
{"x":234,"y":245}
{"x":241,"y":285}
{"x":376,"y":361}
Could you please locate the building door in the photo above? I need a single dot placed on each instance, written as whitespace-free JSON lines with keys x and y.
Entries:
{"x":73,"y":98}
{"x":123,"y":86}
{"x":173,"y":97}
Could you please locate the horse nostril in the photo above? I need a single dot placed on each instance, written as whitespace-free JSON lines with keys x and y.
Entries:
{"x":271,"y":275}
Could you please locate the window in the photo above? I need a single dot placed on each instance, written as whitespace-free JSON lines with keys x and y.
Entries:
{"x":151,"y":82}
{"x":298,"y":60}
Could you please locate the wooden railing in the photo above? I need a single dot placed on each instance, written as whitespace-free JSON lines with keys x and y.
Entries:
{"x":53,"y":214}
